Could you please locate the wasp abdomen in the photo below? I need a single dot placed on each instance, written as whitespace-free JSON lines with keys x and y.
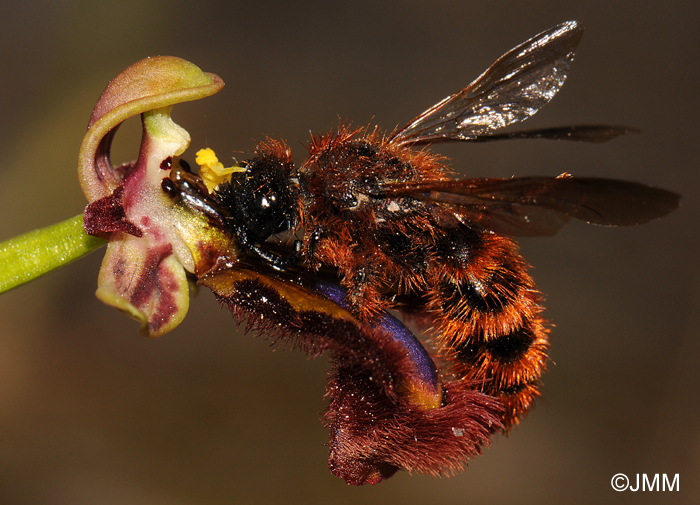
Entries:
{"x":486,"y":314}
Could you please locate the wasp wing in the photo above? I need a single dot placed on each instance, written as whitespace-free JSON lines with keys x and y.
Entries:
{"x":516,"y":86}
{"x":583,"y":133}
{"x":540,"y":206}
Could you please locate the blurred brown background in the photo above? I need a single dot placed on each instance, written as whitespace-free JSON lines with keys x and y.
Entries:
{"x":90,"y":412}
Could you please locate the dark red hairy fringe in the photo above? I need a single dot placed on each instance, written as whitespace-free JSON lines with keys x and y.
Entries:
{"x":375,"y":431}
{"x":372,"y":438}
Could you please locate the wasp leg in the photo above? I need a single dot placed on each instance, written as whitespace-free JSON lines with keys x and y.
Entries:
{"x":362,"y":281}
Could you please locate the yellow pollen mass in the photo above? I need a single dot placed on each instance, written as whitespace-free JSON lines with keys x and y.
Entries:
{"x":212,"y":171}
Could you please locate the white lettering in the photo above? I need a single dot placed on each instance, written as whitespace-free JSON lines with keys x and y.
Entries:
{"x":636,"y":488}
{"x":650,"y":485}
{"x":620,"y":482}
{"x":676,"y":483}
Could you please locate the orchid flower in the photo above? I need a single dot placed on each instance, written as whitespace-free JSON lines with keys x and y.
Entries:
{"x":390,"y":409}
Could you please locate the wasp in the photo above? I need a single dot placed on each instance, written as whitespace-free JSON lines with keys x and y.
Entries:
{"x":388,"y":220}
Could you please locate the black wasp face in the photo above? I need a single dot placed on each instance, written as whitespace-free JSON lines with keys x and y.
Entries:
{"x":259,"y":203}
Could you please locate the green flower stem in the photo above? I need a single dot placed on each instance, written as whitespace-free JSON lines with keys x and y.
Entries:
{"x":38,"y":252}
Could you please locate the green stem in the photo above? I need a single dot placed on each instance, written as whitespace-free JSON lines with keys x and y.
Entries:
{"x":38,"y":252}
